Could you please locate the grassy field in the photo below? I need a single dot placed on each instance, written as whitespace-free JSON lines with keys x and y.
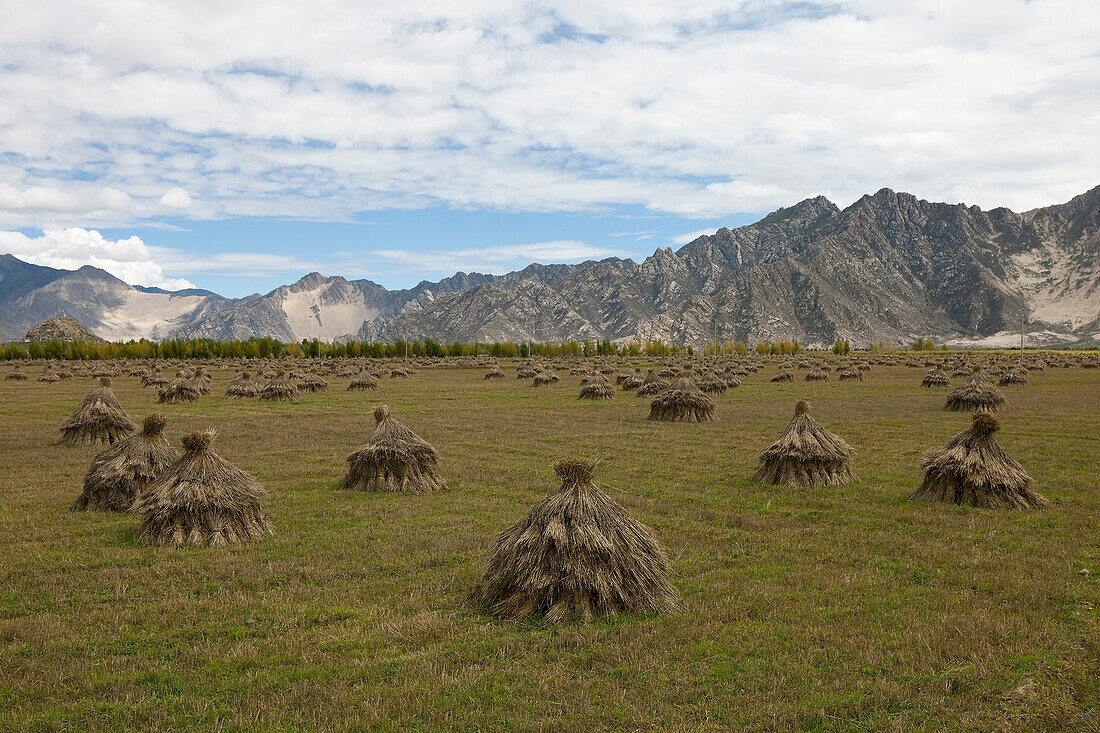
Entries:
{"x":841,"y":609}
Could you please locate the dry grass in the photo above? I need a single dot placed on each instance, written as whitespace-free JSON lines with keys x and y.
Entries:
{"x":830,"y":609}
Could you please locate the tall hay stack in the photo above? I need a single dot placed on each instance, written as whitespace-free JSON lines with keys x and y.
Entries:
{"x":202,"y":499}
{"x":577,"y":555}
{"x":596,"y":387}
{"x":363,"y":382}
{"x":682,"y":402}
{"x":974,"y":470}
{"x":935,"y":377}
{"x":313,"y":382}
{"x":652,"y":385}
{"x":806,"y":454}
{"x":180,"y":390}
{"x":16,"y":375}
{"x":394,"y":459}
{"x":279,"y":389}
{"x":121,"y":472}
{"x":977,"y":393}
{"x":99,"y":420}
{"x":495,"y":373}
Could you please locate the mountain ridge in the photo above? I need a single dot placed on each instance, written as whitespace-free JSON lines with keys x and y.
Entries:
{"x":888,"y":267}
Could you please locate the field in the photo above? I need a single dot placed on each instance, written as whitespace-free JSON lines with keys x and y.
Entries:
{"x":825,"y":609}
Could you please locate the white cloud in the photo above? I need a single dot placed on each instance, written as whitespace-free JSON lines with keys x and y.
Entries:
{"x":70,"y":249}
{"x":176,"y":198}
{"x":692,"y":236}
{"x":699,"y":109}
{"x":234,"y":264}
{"x":495,"y":260}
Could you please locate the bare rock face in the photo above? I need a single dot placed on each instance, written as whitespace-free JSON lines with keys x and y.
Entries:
{"x":64,"y":329}
{"x":890,"y":267}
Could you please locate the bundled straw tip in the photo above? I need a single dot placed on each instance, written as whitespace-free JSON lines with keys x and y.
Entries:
{"x":576,"y":470}
{"x":801,"y":407}
{"x":105,"y":381}
{"x":381,"y":413}
{"x":153,"y":424}
{"x":195,"y":442}
{"x":985,"y":423}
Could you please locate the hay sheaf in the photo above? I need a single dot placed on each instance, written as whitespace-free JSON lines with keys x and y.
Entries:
{"x":279,"y":389}
{"x":935,"y":378}
{"x":977,"y":393}
{"x":577,"y":555}
{"x":682,"y":402}
{"x":545,"y":378}
{"x":202,"y":499}
{"x":782,"y":376}
{"x":973,"y":469}
{"x":313,"y":382}
{"x":121,"y":472}
{"x":394,"y":458}
{"x":242,"y":387}
{"x":712,"y":384}
{"x":597,"y":387}
{"x":179,"y":390}
{"x":363,"y":382}
{"x":652,"y":385}
{"x":495,"y":373}
{"x":1016,"y":377}
{"x":806,"y":454}
{"x":99,"y":419}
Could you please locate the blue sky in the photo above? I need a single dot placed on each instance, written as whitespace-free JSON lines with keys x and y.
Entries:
{"x":238,"y":146}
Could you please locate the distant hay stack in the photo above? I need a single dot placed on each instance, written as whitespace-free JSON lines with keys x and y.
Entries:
{"x":121,"y":472}
{"x":495,"y":373}
{"x":977,"y":393}
{"x":180,"y":390}
{"x":16,"y":375}
{"x":974,"y":470}
{"x":399,"y":372}
{"x":99,"y":420}
{"x":849,"y":374}
{"x":279,"y":389}
{"x":242,"y":386}
{"x":313,"y":382}
{"x":806,"y":454}
{"x":652,"y":385}
{"x":782,"y":376}
{"x":49,"y":376}
{"x":393,"y":459}
{"x":202,"y":380}
{"x":817,"y":374}
{"x":153,"y":379}
{"x":364,"y":382}
{"x":936,"y":377}
{"x":633,"y":381}
{"x":597,"y":387}
{"x":202,"y":499}
{"x":682,"y":402}
{"x":577,"y":555}
{"x":1015,"y":377}
{"x":527,"y":371}
{"x":711,"y":384}
{"x":545,"y":378}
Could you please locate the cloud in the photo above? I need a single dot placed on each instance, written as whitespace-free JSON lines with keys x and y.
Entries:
{"x":692,"y":236}
{"x":699,"y":109}
{"x":233,"y":264}
{"x":176,"y":198}
{"x":644,"y":234}
{"x":494,"y":260}
{"x":70,"y":249}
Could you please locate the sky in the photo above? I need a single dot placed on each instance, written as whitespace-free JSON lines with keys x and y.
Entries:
{"x":238,"y":146}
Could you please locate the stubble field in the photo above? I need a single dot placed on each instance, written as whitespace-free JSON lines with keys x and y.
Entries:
{"x":831,"y":609}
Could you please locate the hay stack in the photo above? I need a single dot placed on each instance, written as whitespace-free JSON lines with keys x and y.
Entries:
{"x":973,"y":469}
{"x":242,"y":386}
{"x":1015,"y":377}
{"x":399,"y":372}
{"x":279,"y":389}
{"x":712,"y":384}
{"x":652,"y":385}
{"x":394,"y":458}
{"x":119,"y":473}
{"x":363,"y":382}
{"x":49,"y":376}
{"x":527,"y":371}
{"x":817,"y":375}
{"x":99,"y":420}
{"x":578,"y":554}
{"x":179,"y":390}
{"x":682,"y":402}
{"x":850,"y":375}
{"x":597,"y":387}
{"x":202,"y":499}
{"x":782,"y":376}
{"x":495,"y":373}
{"x":202,"y":379}
{"x":806,"y":454}
{"x":313,"y":382}
{"x":154,"y":379}
{"x":976,"y":393}
{"x":545,"y":378}
{"x":16,"y":374}
{"x":935,"y":378}
{"x":633,"y":381}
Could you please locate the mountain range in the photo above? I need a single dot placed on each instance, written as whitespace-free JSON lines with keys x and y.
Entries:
{"x":890,"y":267}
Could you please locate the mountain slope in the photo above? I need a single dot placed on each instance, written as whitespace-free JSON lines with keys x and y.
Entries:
{"x":889,"y":267}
